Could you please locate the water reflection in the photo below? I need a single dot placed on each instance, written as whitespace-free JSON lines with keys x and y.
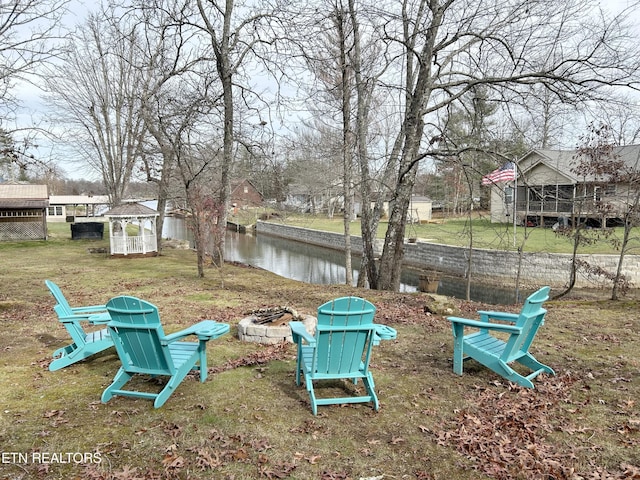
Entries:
{"x":176,"y":228}
{"x":324,"y":266}
{"x":299,"y":261}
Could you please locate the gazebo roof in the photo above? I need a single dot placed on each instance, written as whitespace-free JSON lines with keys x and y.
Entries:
{"x":130,"y":210}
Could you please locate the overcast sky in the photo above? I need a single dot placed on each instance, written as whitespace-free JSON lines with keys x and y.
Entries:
{"x":34,"y":109}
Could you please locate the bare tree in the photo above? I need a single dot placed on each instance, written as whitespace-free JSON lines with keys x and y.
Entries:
{"x":327,"y":53}
{"x":623,"y":118}
{"x":342,"y":24}
{"x":196,"y":167}
{"x":365,"y":80}
{"x":169,"y":93}
{"x":343,"y":84}
{"x":600,"y":164}
{"x":97,"y":89}
{"x":30,"y":38}
{"x":631,"y":219}
{"x":596,"y":164}
{"x":235,"y":33}
{"x":314,"y":164}
{"x":451,"y":47}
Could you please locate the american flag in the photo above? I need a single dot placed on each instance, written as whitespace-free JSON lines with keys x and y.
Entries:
{"x":505,"y":173}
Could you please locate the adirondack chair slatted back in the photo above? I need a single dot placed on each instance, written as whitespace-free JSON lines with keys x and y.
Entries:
{"x":340,"y":349}
{"x":530,"y":319}
{"x":344,"y":334}
{"x":64,"y":309}
{"x":137,"y":333}
{"x":84,"y":343}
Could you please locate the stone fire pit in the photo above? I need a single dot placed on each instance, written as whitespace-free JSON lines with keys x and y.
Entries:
{"x":271,"y":325}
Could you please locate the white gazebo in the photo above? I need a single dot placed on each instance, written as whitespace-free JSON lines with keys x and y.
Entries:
{"x":124,"y":241}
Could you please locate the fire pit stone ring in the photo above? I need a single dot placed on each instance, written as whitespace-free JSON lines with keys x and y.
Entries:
{"x":252,"y":329}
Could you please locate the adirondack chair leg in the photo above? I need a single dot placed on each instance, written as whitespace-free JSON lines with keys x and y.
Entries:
{"x":298,"y":376}
{"x":312,"y":396}
{"x":202,"y":347}
{"x":166,"y":392}
{"x":533,"y":364}
{"x":301,"y":364}
{"x":355,"y":379}
{"x":64,"y":351}
{"x":176,"y":380}
{"x":515,"y":377}
{"x":458,"y":342}
{"x":522,"y":380}
{"x":71,"y":354}
{"x":63,"y":357}
{"x":60,"y":363}
{"x":119,"y":380}
{"x":298,"y":341}
{"x":298,"y":366}
{"x":370,"y":386}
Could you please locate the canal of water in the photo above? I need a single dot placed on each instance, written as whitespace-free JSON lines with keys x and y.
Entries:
{"x":324,"y":266}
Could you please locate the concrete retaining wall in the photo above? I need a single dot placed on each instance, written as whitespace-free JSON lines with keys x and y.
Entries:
{"x":493,"y":265}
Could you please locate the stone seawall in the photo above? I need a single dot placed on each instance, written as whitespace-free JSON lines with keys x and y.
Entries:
{"x":494,"y":265}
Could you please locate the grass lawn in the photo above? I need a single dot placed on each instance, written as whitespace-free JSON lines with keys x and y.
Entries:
{"x":249,"y":419}
{"x":458,"y":231}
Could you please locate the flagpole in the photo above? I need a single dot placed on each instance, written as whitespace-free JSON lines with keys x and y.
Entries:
{"x":515,"y":199}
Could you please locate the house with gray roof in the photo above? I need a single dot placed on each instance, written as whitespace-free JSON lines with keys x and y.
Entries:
{"x":548,"y":190}
{"x":74,"y":208}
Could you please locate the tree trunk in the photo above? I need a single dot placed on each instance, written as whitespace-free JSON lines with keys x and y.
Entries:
{"x":618,"y":278}
{"x":419,"y":84}
{"x":347,"y":140}
{"x":393,"y":251}
{"x":222,"y":52}
{"x":225,"y":169}
{"x":162,"y":207}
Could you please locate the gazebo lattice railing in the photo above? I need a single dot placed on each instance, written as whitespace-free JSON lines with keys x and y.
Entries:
{"x":143,"y":219}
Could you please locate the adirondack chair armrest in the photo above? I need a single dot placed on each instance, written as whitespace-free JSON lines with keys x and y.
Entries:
{"x":504,"y":316}
{"x":299,"y":331}
{"x":89,"y":309}
{"x":465,"y":322}
{"x":92,"y":318}
{"x":211,"y":332}
{"x":384,"y":332}
{"x":99,"y":318}
{"x":71,"y":318}
{"x":207,"y":329}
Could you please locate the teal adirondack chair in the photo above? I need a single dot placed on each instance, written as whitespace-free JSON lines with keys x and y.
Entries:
{"x":143,"y":348}
{"x":340,"y":349}
{"x":497,"y":354}
{"x":84,"y":343}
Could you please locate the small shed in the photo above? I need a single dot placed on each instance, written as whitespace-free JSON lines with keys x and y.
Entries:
{"x":420,"y":209}
{"x":132,"y":230}
{"x":23,"y":212}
